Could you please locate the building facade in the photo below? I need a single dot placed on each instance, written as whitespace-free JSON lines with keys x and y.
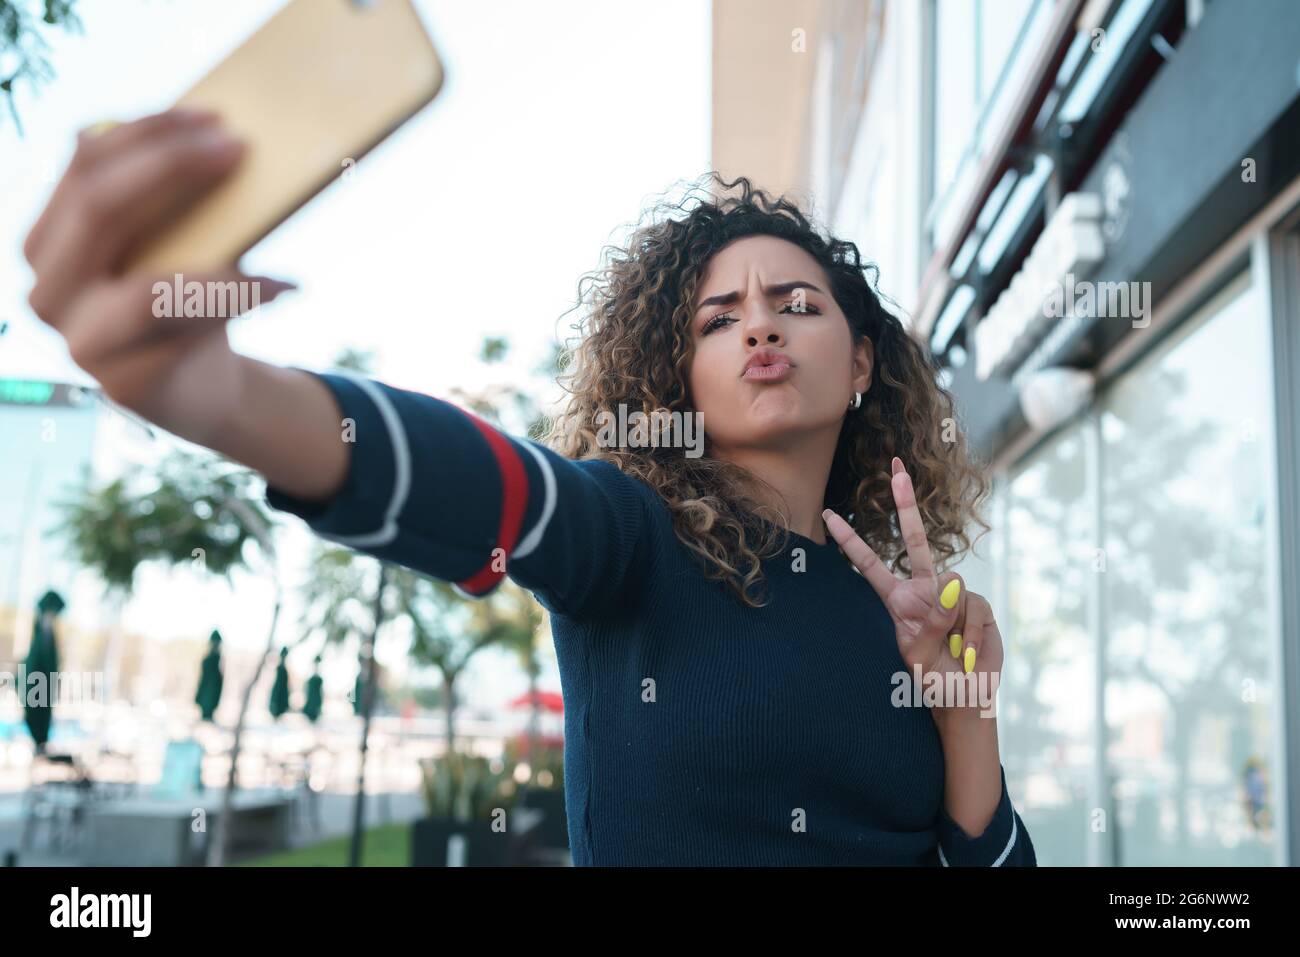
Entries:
{"x":58,"y":437}
{"x":1090,"y":211}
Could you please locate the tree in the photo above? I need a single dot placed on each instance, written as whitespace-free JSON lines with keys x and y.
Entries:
{"x":347,"y":596}
{"x":23,"y":48}
{"x":334,"y":605}
{"x":196,"y":509}
{"x":447,"y":629}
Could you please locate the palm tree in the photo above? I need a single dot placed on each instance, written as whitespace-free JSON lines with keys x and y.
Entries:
{"x":447,"y":629}
{"x":196,"y":509}
{"x":350,"y":596}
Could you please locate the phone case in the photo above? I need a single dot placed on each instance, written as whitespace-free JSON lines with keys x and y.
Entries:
{"x":311,"y":92}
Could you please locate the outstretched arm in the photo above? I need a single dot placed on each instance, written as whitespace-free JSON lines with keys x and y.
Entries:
{"x":403,"y":476}
{"x":434,"y":487}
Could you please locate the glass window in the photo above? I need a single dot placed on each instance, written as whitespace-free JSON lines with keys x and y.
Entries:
{"x":1020,"y":30}
{"x":1046,"y":718}
{"x":1000,"y":25}
{"x":955,"y":88}
{"x":1108,"y":47}
{"x":1188,"y":589}
{"x":982,"y":48}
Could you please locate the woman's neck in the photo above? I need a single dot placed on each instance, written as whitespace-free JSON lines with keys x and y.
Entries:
{"x":798,"y":475}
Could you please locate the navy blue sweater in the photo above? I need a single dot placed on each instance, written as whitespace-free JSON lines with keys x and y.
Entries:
{"x":698,"y":730}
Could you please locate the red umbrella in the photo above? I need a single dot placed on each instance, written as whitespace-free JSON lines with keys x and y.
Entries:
{"x":546,"y":700}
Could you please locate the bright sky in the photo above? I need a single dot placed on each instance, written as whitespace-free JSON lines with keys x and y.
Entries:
{"x":557,"y":124}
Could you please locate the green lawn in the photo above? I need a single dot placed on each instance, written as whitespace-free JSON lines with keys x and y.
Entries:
{"x":387,"y":846}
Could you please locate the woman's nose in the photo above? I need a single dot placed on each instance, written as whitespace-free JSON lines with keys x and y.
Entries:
{"x":761,"y":326}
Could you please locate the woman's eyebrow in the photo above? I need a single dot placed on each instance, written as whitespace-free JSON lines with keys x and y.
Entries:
{"x":780,"y":289}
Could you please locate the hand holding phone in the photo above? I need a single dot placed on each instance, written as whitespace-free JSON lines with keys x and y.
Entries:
{"x":121,"y":186}
{"x":189,"y":190}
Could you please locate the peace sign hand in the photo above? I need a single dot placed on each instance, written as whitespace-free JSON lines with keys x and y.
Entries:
{"x":939,"y":626}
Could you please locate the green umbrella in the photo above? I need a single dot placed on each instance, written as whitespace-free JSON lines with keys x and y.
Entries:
{"x":42,"y":661}
{"x":210,"y":679}
{"x":358,"y":690}
{"x":280,"y":690}
{"x":311,"y":707}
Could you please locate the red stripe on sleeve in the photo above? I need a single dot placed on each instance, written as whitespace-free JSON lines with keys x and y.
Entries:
{"x":514,"y":501}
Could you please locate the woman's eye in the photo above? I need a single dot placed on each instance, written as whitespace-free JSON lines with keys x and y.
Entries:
{"x":806,"y":307}
{"x":714,"y":323}
{"x":717,"y":321}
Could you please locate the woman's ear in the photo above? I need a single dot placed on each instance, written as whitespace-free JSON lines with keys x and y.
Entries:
{"x":864,"y":365}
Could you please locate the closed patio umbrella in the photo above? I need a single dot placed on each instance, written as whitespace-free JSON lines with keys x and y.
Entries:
{"x":42,"y":664}
{"x":280,"y":690}
{"x":210,"y":678}
{"x":312,"y":705}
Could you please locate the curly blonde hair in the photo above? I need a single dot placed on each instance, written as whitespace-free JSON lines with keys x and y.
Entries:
{"x":634,"y":346}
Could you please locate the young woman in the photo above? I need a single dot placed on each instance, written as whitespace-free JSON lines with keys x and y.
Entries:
{"x":746,"y":681}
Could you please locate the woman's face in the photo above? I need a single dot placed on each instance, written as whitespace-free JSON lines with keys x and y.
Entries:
{"x":763,"y":299}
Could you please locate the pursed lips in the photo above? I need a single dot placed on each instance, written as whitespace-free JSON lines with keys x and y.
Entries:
{"x":767,"y":366}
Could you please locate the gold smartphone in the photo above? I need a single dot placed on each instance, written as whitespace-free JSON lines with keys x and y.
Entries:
{"x":312,"y":91}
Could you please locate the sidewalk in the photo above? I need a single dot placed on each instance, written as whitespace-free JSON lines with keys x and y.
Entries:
{"x":335,"y":812}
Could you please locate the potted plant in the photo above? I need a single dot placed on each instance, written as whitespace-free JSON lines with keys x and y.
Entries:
{"x":546,"y":790}
{"x":468,"y":800}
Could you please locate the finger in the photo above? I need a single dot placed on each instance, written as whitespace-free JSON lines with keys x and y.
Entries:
{"x":862,"y":556}
{"x":101,"y":141}
{"x":990,"y":639}
{"x":979,"y":644}
{"x":149,"y":313}
{"x":127,"y":197}
{"x":959,"y":627}
{"x":93,"y":145}
{"x":940,"y":621}
{"x":170,"y":177}
{"x":910,"y":523}
{"x":979,"y":617}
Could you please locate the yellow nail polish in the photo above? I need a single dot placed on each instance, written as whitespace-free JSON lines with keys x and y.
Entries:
{"x":950,"y":592}
{"x":954,"y":645}
{"x":970,"y":660}
{"x":103,"y":126}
